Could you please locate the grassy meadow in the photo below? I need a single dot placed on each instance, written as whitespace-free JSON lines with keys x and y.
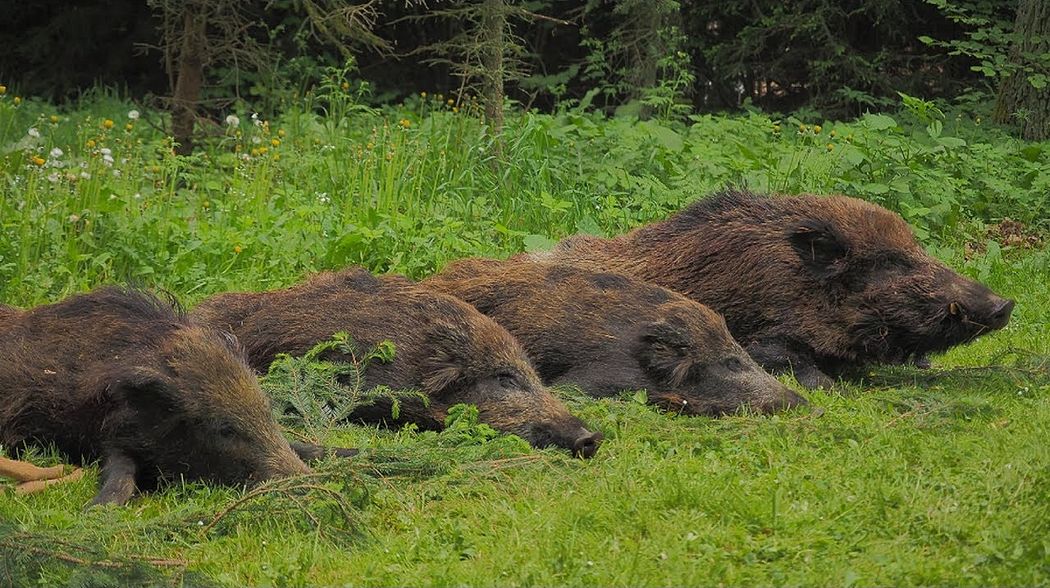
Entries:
{"x":938,"y":477}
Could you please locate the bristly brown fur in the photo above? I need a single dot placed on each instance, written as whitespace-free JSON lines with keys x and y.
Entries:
{"x":608,"y":333}
{"x":444,"y":348}
{"x":808,"y":282}
{"x":119,"y":375}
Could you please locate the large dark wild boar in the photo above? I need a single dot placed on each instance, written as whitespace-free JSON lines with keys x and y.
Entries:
{"x":608,"y":333}
{"x":818,"y":285}
{"x":444,"y":348}
{"x":120,"y":376}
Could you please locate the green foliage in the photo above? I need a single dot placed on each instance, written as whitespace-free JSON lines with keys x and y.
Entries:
{"x":411,"y":188}
{"x":916,"y":478}
{"x":321,"y":389}
{"x":988,"y":40}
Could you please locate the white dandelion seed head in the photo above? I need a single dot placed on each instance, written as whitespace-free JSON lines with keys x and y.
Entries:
{"x":105,"y":152}
{"x":107,"y":159}
{"x":232,"y":120}
{"x":32,"y":132}
{"x":85,"y":175}
{"x":56,"y":152}
{"x":133,"y":114}
{"x":53,"y":177}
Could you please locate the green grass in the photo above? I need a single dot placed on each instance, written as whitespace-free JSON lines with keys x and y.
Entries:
{"x":914,"y":478}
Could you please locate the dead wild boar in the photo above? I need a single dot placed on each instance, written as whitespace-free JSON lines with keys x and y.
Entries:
{"x":120,"y":376}
{"x":607,"y":333}
{"x":444,"y":348}
{"x":817,"y":285}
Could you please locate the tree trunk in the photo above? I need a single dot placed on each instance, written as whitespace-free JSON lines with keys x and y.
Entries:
{"x":493,"y":25}
{"x":190,"y":79}
{"x":1017,"y":95}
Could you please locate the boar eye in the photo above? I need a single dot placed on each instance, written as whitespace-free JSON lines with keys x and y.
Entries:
{"x":227,"y":431}
{"x":734,"y":364}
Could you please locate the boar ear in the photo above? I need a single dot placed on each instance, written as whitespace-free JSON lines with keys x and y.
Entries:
{"x":818,"y":245}
{"x":445,"y":364}
{"x":664,"y":351}
{"x":146,"y":392}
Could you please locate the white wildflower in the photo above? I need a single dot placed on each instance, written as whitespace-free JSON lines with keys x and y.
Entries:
{"x":256,"y":120}
{"x":133,"y":114}
{"x":107,"y":159}
{"x":232,"y":120}
{"x":85,"y":175}
{"x":53,"y":177}
{"x":33,"y":133}
{"x":56,"y":152}
{"x":105,"y":152}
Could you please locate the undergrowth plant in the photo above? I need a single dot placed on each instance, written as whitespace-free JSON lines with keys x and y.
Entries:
{"x":314,"y":393}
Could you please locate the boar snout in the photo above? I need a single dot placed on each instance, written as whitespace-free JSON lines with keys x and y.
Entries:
{"x":284,"y":465}
{"x":582,"y":442}
{"x":1001,"y":310}
{"x":783,"y":398}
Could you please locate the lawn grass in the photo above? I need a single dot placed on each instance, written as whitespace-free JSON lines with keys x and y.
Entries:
{"x":910,"y":478}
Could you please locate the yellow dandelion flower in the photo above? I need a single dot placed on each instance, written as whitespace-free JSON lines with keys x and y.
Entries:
{"x":421,"y":94}
{"x":90,"y":144}
{"x":128,"y":127}
{"x":17,"y":100}
{"x":370,"y":146}
{"x":831,"y":146}
{"x":263,"y":150}
{"x":280,"y":133}
{"x":832,"y":133}
{"x":237,"y":249}
{"x":54,"y":119}
{"x":816,"y":128}
{"x":345,"y":86}
{"x":37,"y":160}
{"x":3,"y":89}
{"x":451,"y":102}
{"x":108,"y":124}
{"x":455,"y":109}
{"x":275,"y":142}
{"x":255,"y":152}
{"x":802,"y":128}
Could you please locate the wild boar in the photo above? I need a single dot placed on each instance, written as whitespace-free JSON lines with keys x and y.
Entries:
{"x":817,"y":285}
{"x":118,"y":375}
{"x":444,"y":348}
{"x":607,"y":333}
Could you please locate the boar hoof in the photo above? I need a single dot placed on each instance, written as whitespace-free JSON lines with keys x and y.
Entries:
{"x":587,"y":445}
{"x":814,"y":378}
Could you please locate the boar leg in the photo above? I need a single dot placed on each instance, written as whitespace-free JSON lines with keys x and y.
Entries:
{"x":778,"y":357}
{"x":311,"y":452}
{"x":118,"y":479}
